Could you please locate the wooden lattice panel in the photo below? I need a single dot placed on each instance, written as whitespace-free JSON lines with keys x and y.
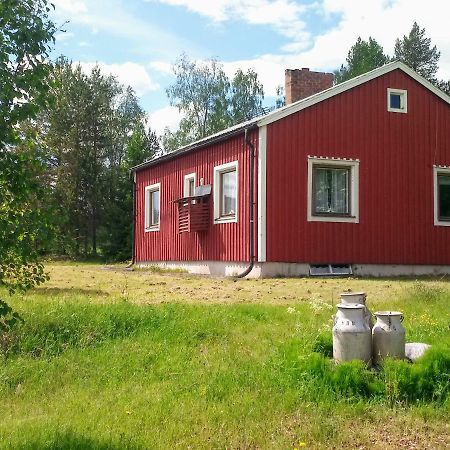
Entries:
{"x":193,"y":214}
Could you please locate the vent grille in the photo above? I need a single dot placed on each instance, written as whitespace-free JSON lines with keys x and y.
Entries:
{"x":330,"y":270}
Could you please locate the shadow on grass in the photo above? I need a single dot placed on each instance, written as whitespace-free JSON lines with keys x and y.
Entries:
{"x":72,"y":441}
{"x":55,"y":291}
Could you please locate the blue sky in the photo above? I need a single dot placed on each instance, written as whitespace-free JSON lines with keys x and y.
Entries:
{"x":139,"y":40}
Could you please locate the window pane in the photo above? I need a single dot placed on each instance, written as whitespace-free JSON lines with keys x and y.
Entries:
{"x":444,"y":197}
{"x":331,"y":190}
{"x":395,"y":101}
{"x":228,"y":194}
{"x":191,"y":190}
{"x":155,"y":208}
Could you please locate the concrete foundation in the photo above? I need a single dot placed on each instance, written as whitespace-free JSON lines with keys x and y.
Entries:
{"x":281,"y":269}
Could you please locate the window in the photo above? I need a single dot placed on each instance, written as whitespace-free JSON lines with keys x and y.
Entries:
{"x":442,"y":196}
{"x":397,"y":100}
{"x":152,"y":207}
{"x":226,"y":192}
{"x":333,"y":190}
{"x":189,"y":185}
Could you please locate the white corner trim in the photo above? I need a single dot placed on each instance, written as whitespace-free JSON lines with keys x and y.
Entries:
{"x":148,"y":190}
{"x":187,"y":178}
{"x":403,"y":100}
{"x":438,"y":170}
{"x":262,"y":198}
{"x":354,"y":188}
{"x":216,"y":194}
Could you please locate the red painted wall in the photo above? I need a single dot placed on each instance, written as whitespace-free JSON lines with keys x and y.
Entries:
{"x":396,"y":152}
{"x":222,"y":242}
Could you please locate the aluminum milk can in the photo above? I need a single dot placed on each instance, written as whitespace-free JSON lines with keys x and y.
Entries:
{"x":352,"y":338}
{"x":388,"y":336}
{"x":358,"y":297}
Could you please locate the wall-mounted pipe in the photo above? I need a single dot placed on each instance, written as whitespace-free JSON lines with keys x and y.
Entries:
{"x":133,"y":230}
{"x":251,"y":205}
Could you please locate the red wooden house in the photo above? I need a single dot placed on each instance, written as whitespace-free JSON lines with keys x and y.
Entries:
{"x":355,"y":177}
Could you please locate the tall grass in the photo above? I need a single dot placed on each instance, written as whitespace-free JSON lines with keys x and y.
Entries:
{"x":81,"y":373}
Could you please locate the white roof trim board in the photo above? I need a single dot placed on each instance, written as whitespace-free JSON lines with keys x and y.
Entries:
{"x":303,"y":104}
{"x":345,"y":86}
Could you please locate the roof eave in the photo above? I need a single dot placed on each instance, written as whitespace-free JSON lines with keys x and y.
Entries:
{"x":218,"y":137}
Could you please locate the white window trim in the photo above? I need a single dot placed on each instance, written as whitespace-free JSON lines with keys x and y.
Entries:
{"x":436,"y":171}
{"x":353,"y":164}
{"x":403,"y":100}
{"x":218,"y":170}
{"x":148,"y":189}
{"x":187,"y":178}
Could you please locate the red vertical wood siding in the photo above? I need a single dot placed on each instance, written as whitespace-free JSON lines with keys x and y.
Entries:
{"x":396,"y":152}
{"x":222,"y":242}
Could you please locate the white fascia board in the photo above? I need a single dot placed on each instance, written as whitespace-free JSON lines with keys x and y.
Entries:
{"x":347,"y":85}
{"x":262,"y":179}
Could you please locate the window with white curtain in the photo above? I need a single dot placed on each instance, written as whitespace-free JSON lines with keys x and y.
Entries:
{"x":333,"y":190}
{"x":226,"y":192}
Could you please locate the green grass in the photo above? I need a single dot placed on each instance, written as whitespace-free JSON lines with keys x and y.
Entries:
{"x":105,"y":360}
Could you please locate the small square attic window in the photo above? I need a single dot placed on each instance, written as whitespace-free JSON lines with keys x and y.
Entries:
{"x":397,"y":100}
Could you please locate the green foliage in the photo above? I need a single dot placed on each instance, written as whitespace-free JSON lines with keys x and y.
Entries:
{"x":8,"y":317}
{"x":26,"y":35}
{"x":209,"y":100}
{"x":362,"y":57}
{"x":428,"y":380}
{"x":415,"y":51}
{"x":247,"y":94}
{"x":95,"y":132}
{"x":323,"y":343}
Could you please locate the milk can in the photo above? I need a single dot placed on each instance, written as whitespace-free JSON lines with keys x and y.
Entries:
{"x":358,"y":297}
{"x":352,"y":338}
{"x":388,"y":336}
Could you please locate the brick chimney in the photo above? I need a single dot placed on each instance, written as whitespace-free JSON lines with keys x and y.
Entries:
{"x":301,"y":83}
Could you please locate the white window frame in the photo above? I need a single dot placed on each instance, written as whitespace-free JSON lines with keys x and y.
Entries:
{"x":148,"y":190}
{"x":403,"y":100}
{"x":353,"y":165}
{"x":187,"y":179}
{"x":438,"y":170}
{"x":218,"y":170}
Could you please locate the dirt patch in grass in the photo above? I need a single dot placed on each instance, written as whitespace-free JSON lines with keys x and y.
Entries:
{"x":148,"y":287}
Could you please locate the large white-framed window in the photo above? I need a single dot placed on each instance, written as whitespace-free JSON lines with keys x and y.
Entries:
{"x":441,"y":182}
{"x":333,"y":190}
{"x":226,"y":192}
{"x":190,"y":181}
{"x":397,"y":100}
{"x":152,"y":207}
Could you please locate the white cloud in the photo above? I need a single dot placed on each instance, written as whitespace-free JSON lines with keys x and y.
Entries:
{"x":382,"y":20}
{"x":71,"y":6}
{"x":162,"y":67}
{"x":169,"y":116}
{"x":112,"y":17}
{"x":64,"y":36}
{"x":128,"y":73}
{"x":283,"y":15}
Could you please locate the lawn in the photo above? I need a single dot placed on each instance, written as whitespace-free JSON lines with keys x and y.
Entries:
{"x":113,"y":359}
